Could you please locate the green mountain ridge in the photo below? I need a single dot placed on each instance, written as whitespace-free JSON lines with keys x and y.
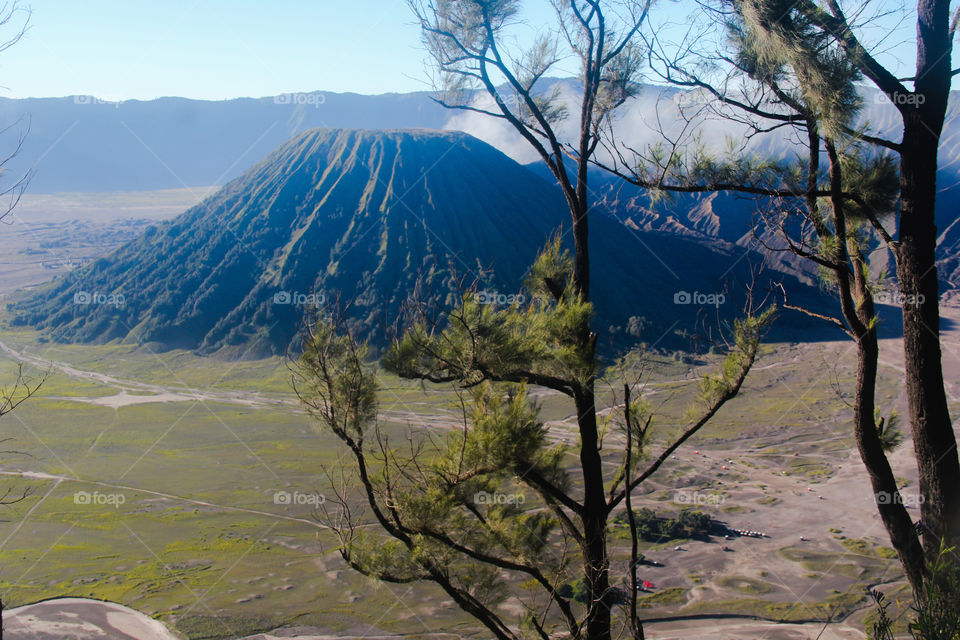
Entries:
{"x":363,"y":221}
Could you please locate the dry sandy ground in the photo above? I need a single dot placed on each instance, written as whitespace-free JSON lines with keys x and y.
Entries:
{"x":743,"y":629}
{"x":49,"y":233}
{"x":80,"y":619}
{"x":131,"y":392}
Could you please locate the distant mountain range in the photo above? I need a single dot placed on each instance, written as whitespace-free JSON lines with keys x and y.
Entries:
{"x":80,"y":143}
{"x":369,"y":212}
{"x":367,"y":221}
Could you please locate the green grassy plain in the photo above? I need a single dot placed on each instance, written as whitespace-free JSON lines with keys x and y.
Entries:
{"x":180,"y":519}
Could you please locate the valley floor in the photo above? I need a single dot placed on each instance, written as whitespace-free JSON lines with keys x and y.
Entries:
{"x":152,"y":482}
{"x":78,"y":619}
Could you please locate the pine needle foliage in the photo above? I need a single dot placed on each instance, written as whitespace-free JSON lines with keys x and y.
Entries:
{"x":492,"y":509}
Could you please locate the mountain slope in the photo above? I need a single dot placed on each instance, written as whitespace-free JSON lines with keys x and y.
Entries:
{"x":365,"y":221}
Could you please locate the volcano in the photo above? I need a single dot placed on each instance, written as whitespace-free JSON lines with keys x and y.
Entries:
{"x":366,"y":221}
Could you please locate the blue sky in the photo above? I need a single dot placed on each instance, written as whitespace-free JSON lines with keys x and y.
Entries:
{"x":117,"y":49}
{"x":215,"y":49}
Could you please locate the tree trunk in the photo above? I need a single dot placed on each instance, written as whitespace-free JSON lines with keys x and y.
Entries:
{"x":596,"y":565}
{"x":933,"y":438}
{"x":934,"y":441}
{"x":857,"y":306}
{"x":581,"y":249}
{"x":895,"y":517}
